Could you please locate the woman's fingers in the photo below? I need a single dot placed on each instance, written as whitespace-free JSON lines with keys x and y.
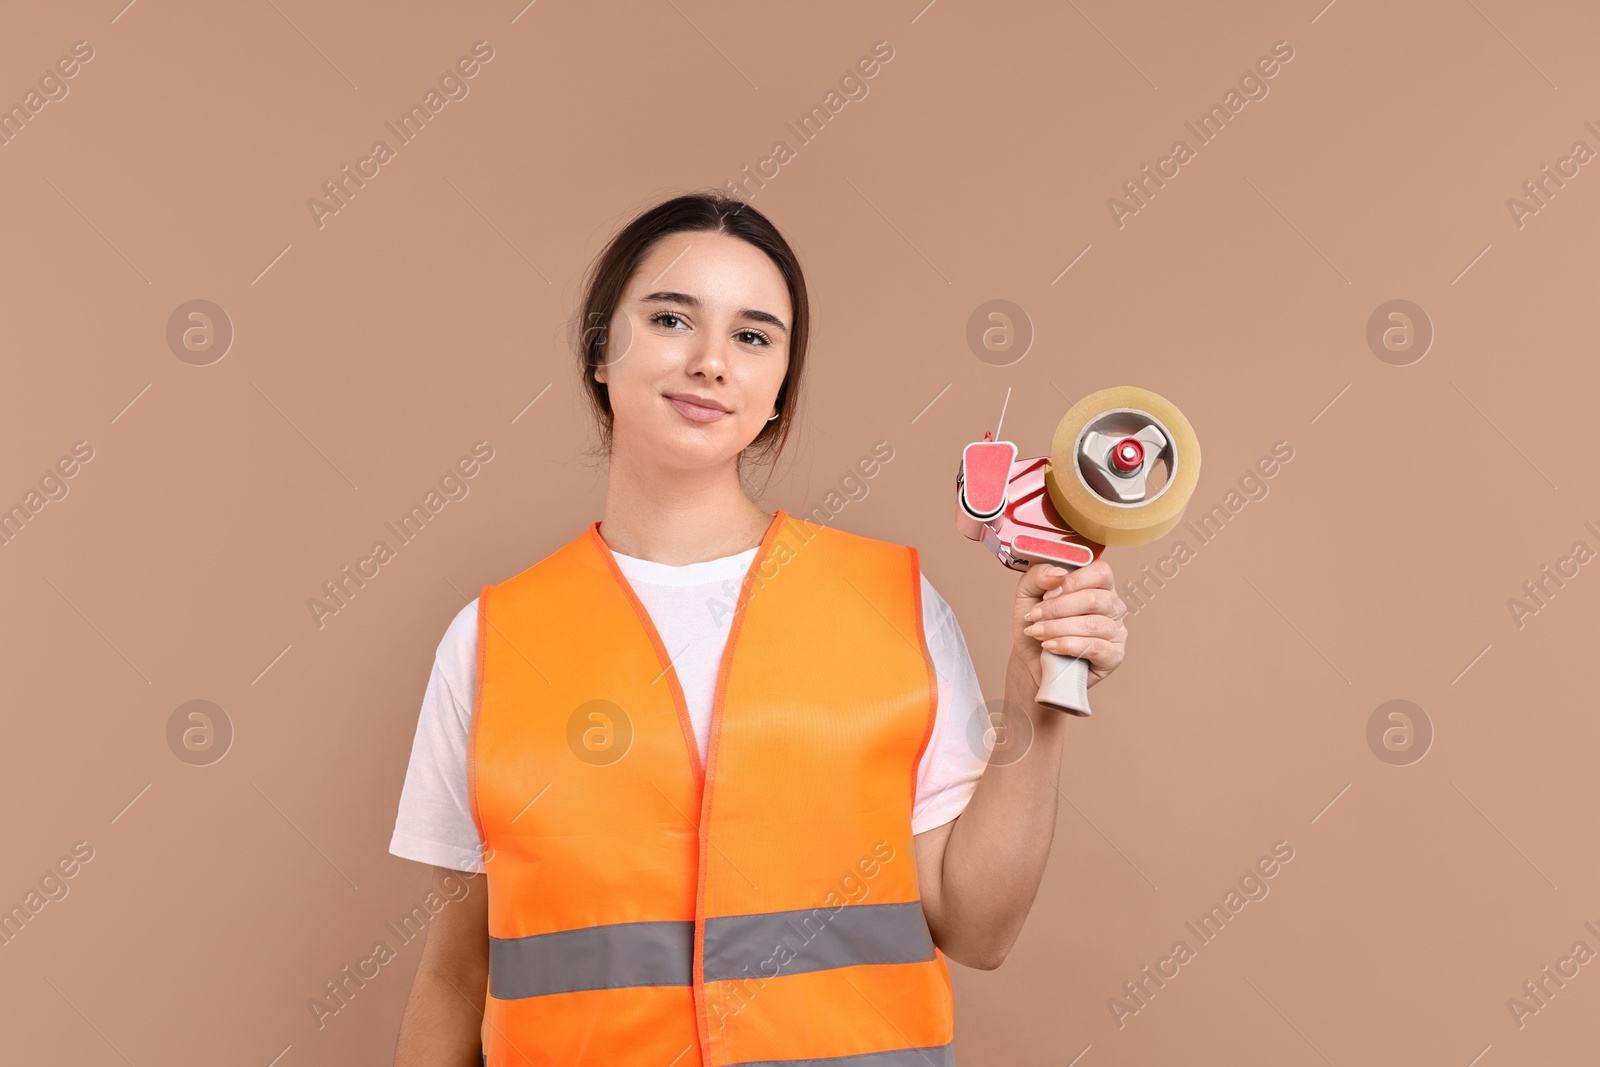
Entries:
{"x":1090,"y":625}
{"x":1091,"y":601}
{"x":1082,"y":617}
{"x":1095,"y":575}
{"x":1040,"y":580}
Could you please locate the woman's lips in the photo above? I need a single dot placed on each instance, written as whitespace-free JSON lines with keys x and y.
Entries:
{"x":696,"y":412}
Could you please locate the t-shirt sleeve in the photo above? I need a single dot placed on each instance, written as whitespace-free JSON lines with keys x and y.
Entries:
{"x":434,"y":823}
{"x":958,"y":751}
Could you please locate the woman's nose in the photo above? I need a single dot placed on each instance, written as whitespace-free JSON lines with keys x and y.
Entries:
{"x":710,"y":357}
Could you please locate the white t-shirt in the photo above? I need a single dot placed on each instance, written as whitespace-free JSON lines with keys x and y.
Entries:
{"x":692,"y":609}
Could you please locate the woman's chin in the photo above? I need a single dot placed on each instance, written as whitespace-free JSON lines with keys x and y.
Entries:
{"x":695,"y":447}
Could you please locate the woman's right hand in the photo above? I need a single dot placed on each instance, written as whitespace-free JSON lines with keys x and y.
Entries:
{"x":1076,"y":613}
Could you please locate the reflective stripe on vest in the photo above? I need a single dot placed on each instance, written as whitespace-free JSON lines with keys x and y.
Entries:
{"x":662,"y":953}
{"x":762,"y":910}
{"x":933,"y":1056}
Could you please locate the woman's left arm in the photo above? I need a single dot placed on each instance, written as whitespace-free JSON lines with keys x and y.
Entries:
{"x":980,"y":873}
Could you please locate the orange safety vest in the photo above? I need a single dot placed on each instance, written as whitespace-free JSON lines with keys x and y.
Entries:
{"x":762,"y":910}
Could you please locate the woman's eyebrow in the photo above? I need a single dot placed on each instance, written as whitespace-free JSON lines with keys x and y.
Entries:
{"x":666,"y":296}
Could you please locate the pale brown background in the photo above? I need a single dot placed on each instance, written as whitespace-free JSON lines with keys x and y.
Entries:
{"x":427,"y":315}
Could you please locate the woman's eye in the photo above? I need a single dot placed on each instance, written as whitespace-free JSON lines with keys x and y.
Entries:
{"x":663,"y":315}
{"x":761,"y":338}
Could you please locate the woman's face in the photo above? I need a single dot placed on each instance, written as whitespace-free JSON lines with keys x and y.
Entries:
{"x":706,"y":315}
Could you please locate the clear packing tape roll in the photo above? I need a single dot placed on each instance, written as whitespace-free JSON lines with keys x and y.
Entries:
{"x":1080,"y":492}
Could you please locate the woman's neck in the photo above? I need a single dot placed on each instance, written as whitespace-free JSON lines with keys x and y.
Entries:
{"x":680,"y":520}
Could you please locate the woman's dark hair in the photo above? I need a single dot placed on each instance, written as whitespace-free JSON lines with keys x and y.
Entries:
{"x":612,"y":269}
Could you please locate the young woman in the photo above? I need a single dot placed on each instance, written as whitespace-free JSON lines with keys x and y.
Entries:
{"x":725,"y":769}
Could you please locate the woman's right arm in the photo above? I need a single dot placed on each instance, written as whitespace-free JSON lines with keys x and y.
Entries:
{"x":443,"y":1020}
